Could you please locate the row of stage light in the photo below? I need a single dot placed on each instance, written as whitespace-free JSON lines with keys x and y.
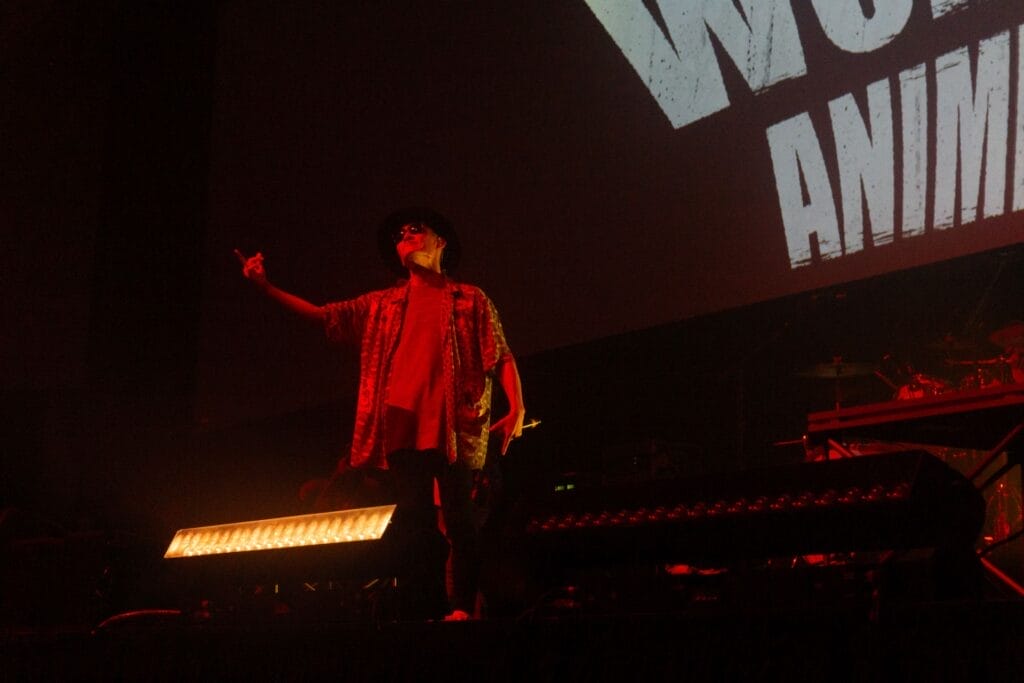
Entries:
{"x":896,"y":500}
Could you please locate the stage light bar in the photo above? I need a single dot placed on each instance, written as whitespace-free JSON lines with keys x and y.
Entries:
{"x":322,"y":528}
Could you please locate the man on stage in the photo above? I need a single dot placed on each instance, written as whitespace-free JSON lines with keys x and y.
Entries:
{"x":429,"y":348}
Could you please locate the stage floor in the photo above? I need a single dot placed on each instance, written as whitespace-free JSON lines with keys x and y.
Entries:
{"x":965,"y":640}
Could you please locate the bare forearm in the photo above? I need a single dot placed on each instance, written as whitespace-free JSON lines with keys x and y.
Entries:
{"x":508,"y":377}
{"x":293,"y":303}
{"x":510,"y":426}
{"x":254,"y":272}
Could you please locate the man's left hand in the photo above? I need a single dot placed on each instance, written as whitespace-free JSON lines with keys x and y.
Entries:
{"x":509,"y":427}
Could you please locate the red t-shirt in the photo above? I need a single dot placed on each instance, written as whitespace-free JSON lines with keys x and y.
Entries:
{"x":415,"y":394}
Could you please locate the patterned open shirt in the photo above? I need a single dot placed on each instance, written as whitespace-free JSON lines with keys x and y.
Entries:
{"x":473,"y":346}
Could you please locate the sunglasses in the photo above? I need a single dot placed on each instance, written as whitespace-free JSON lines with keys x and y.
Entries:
{"x":411,"y":228}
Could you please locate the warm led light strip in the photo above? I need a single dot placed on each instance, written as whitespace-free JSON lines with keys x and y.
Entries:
{"x":322,"y":528}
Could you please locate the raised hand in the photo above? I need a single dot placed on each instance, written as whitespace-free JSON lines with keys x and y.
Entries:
{"x":252,"y":267}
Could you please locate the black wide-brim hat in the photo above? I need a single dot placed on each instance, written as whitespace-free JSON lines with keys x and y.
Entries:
{"x":418,"y":214}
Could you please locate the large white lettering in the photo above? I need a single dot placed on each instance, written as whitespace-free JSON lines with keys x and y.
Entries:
{"x":970,"y":155}
{"x":1018,"y":161}
{"x":865,"y":160}
{"x":972,"y":122}
{"x":805,"y":194}
{"x":914,"y":126}
{"x":948,"y":149}
{"x":681,"y":70}
{"x":678,"y":64}
{"x":847,"y":26}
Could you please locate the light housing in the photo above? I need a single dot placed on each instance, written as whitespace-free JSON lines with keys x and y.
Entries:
{"x":322,"y":528}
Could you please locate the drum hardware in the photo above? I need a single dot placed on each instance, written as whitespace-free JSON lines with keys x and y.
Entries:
{"x":1011,"y":339}
{"x":839,"y":370}
{"x":921,"y":385}
{"x":906,"y":382}
{"x":982,"y":372}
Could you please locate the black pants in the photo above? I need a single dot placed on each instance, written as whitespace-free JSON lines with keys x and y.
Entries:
{"x":415,"y":522}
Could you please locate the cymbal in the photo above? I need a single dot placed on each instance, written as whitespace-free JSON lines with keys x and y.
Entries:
{"x":838,"y":370}
{"x":1011,"y":335}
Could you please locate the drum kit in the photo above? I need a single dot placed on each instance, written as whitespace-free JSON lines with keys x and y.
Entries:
{"x":967,"y":368}
{"x":963,"y":369}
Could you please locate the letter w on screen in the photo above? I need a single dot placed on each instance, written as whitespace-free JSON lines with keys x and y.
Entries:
{"x":668,"y":43}
{"x":676,"y":59}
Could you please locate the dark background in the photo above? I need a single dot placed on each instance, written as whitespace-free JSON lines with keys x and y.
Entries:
{"x":641,"y":272}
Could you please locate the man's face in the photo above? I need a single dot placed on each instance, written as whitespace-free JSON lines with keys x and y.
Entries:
{"x":417,"y":244}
